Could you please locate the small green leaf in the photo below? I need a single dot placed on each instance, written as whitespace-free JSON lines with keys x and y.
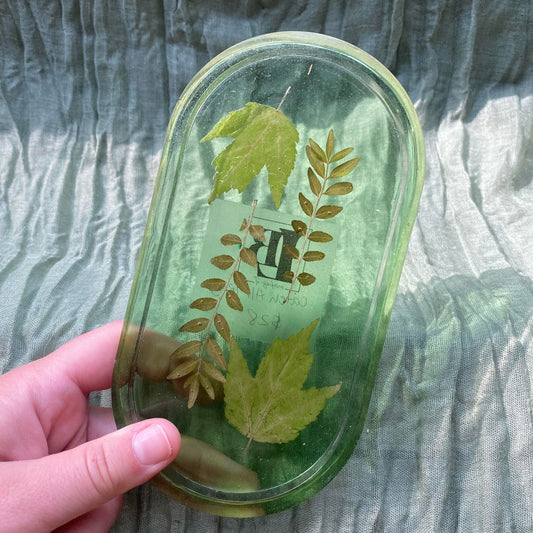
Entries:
{"x":320,"y":236}
{"x":318,"y":151}
{"x":223,"y":261}
{"x":299,"y":227}
{"x":230,"y":239}
{"x":305,"y":204}
{"x":222,"y":327}
{"x":328,"y":211}
{"x":248,"y":256}
{"x":313,"y":256}
{"x":195,"y":325}
{"x":330,"y":144}
{"x":242,"y":283}
{"x":341,"y":155}
{"x":313,"y":182}
{"x":344,"y":168}
{"x":343,"y":187}
{"x":318,"y":166}
{"x":213,"y":284}
{"x":305,"y":278}
{"x":233,"y":300}
{"x":204,"y":304}
{"x":291,"y":251}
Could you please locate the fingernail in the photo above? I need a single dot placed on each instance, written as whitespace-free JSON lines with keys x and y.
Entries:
{"x":151,"y":446}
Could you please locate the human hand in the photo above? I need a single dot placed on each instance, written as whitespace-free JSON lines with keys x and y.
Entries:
{"x":63,"y":466}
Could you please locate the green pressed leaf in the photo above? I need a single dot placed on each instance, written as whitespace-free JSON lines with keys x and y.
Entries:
{"x":213,"y":284}
{"x":320,"y":236}
{"x":317,"y":165}
{"x":344,"y":187}
{"x":223,"y":261}
{"x":242,"y":283}
{"x":330,"y":144}
{"x":299,"y":227}
{"x":230,"y":239}
{"x":313,"y":182}
{"x":248,"y":256}
{"x":221,"y":325}
{"x":195,"y":325}
{"x":314,"y":256}
{"x":341,"y":155}
{"x":305,"y":204}
{"x":305,"y":278}
{"x":204,"y":304}
{"x":328,"y":211}
{"x":291,"y":251}
{"x":272,"y":406}
{"x":263,"y":136}
{"x":344,"y":168}
{"x":233,"y":300}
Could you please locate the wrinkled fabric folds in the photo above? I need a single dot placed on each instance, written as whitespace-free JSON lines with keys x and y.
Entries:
{"x":86,"y":92}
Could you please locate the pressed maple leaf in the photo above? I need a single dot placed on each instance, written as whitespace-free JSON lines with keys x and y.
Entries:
{"x":272,"y":406}
{"x":263,"y":136}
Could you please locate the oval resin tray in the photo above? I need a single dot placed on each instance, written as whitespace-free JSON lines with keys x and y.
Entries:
{"x":288,"y":187}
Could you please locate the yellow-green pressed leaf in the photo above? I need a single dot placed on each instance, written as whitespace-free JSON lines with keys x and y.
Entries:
{"x":213,"y":284}
{"x":305,"y":278}
{"x":343,"y":187}
{"x":341,"y":155}
{"x":215,"y":352}
{"x":291,"y":251}
{"x":229,"y":239}
{"x":233,"y":300}
{"x":328,"y":211}
{"x":272,"y":407}
{"x":242,"y":283}
{"x":317,"y":165}
{"x":344,"y":168}
{"x":305,"y":204}
{"x":299,"y":227}
{"x":318,"y":151}
{"x":204,"y":304}
{"x":313,"y":182}
{"x":195,"y":325}
{"x":313,"y":255}
{"x":330,"y":144}
{"x":222,"y":327}
{"x":262,"y":136}
{"x":223,"y":261}
{"x":320,"y":236}
{"x":184,"y":368}
{"x":186,"y":350}
{"x":211,"y":371}
{"x":258,"y":233}
{"x":248,"y":256}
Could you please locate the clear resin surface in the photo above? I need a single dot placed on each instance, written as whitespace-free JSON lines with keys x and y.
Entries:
{"x":287,"y":190}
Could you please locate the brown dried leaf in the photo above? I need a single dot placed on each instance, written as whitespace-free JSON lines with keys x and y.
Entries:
{"x":204,"y":304}
{"x":233,"y":300}
{"x":343,"y":187}
{"x":186,"y":350}
{"x":222,"y":327}
{"x":305,"y":204}
{"x":213,"y":284}
{"x":328,"y":211}
{"x":193,"y":391}
{"x":210,"y":370}
{"x":184,"y":368}
{"x":318,"y":166}
{"x":314,"y":255}
{"x":344,"y":168}
{"x":288,"y":275}
{"x":242,"y":283}
{"x":330,"y":144}
{"x":320,"y":236}
{"x":258,"y":233}
{"x":195,"y":325}
{"x":206,"y":385}
{"x":244,"y":224}
{"x":215,"y":352}
{"x":248,"y":256}
{"x":229,"y":239}
{"x":291,"y":251}
{"x":318,"y":151}
{"x":299,"y":227}
{"x":341,"y":155}
{"x":313,"y":182}
{"x":223,"y":261}
{"x":306,"y":279}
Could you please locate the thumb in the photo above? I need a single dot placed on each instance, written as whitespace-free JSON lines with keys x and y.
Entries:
{"x":43,"y":494}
